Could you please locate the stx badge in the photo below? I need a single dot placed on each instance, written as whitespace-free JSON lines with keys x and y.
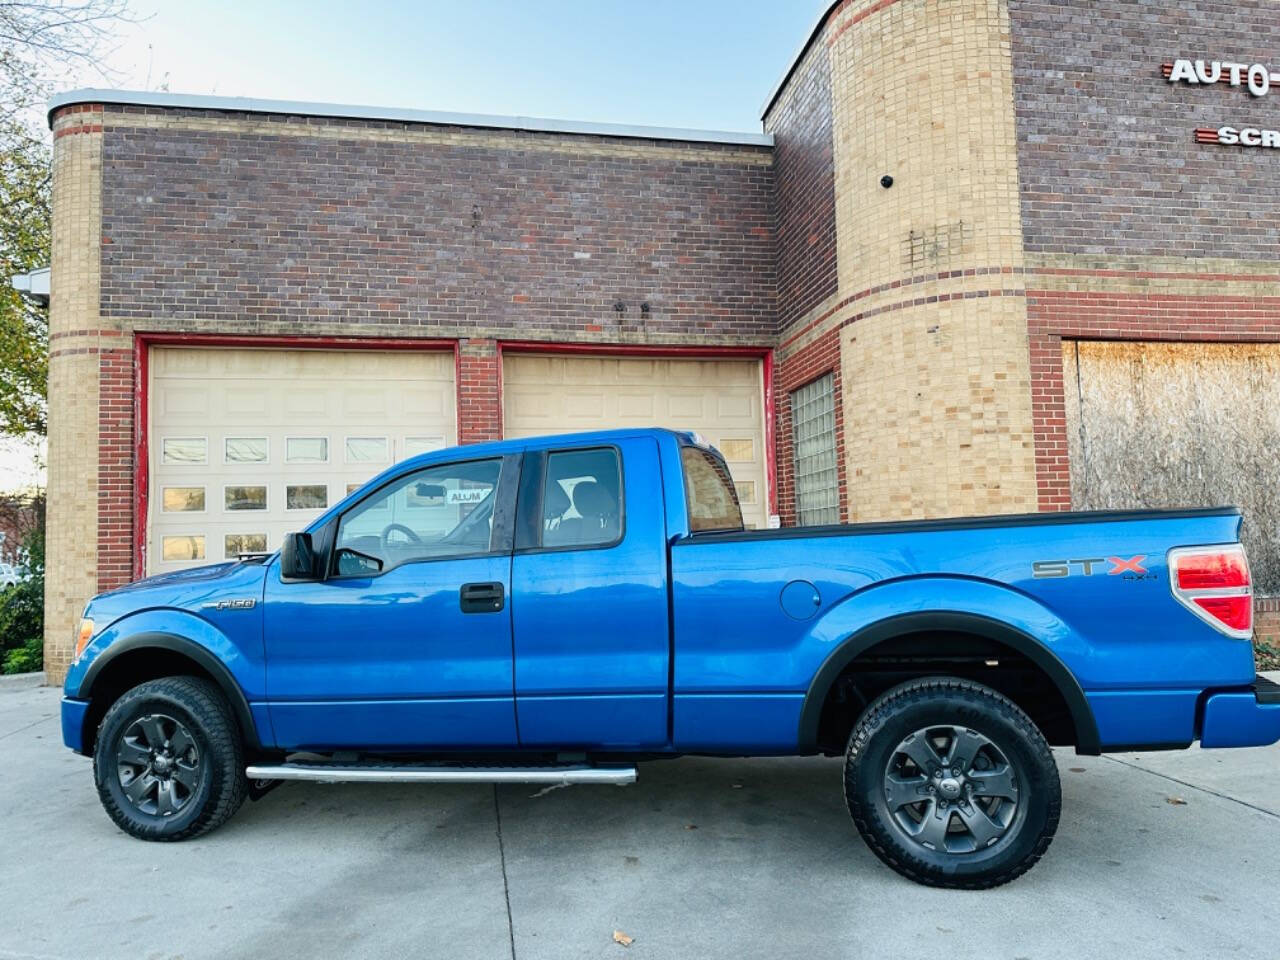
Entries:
{"x":1130,"y":569}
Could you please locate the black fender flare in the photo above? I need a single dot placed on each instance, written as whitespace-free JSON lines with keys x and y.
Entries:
{"x":192,"y":651}
{"x":1086,"y":728}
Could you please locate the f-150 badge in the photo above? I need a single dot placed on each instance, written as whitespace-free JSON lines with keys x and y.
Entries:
{"x":245,"y":604}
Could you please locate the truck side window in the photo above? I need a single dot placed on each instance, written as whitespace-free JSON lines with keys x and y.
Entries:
{"x":439,"y":512}
{"x":582,"y":499}
{"x":713,"y":501}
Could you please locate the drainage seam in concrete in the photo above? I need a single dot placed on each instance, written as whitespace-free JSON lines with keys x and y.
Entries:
{"x":502,"y":857}
{"x":11,"y":733}
{"x":1192,"y":786}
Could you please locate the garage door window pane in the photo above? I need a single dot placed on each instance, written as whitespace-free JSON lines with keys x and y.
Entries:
{"x":234,"y":544}
{"x":309,"y":496}
{"x":182,"y":548}
{"x":245,"y":449}
{"x":306,"y":450}
{"x":738,"y":451}
{"x":432,"y":514}
{"x":366,"y":449}
{"x":814,"y":427}
{"x":182,"y":499}
{"x":184,"y":450}
{"x":245,"y":498}
{"x":416,"y":445}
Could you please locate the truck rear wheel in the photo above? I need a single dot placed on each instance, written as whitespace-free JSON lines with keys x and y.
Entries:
{"x":951,"y":784}
{"x":168,"y":761}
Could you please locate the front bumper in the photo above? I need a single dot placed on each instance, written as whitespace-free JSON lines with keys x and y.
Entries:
{"x":1248,"y":718}
{"x":73,"y":712}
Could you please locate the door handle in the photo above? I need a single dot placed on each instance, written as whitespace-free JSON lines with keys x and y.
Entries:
{"x":481,"y":597}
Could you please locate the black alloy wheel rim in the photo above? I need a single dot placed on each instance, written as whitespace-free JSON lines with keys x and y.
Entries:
{"x":158,"y":764}
{"x":951,"y":790}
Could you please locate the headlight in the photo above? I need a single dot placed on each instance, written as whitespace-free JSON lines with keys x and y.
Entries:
{"x":84,"y":636}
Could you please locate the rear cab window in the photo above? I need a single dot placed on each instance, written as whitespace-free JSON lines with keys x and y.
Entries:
{"x":582,"y":499}
{"x":709,"y":492}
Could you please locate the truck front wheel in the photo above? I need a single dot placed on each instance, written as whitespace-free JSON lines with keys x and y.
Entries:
{"x":951,"y":784}
{"x":168,"y":761}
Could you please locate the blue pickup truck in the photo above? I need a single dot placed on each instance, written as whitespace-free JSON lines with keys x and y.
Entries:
{"x":556,"y":609}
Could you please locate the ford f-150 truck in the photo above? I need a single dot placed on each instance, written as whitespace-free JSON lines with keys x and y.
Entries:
{"x":556,"y":609}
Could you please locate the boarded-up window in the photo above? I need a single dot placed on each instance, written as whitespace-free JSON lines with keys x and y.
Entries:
{"x":1179,"y":425}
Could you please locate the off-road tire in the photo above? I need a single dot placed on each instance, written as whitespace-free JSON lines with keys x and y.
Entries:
{"x":222,"y":786}
{"x":949,"y":701}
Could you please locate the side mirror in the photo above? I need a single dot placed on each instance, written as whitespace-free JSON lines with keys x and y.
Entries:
{"x":298,"y":558}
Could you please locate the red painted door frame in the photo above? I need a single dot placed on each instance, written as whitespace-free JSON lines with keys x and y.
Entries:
{"x":673,"y":351}
{"x":143,"y":342}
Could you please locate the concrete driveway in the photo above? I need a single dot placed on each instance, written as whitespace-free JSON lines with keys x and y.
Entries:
{"x":699,"y":859}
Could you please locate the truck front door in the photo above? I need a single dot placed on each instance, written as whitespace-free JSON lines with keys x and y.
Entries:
{"x":406,"y":642}
{"x":590,"y":614}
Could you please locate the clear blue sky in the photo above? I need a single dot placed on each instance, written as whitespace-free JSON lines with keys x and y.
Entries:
{"x":698,"y":63}
{"x":706,"y":64}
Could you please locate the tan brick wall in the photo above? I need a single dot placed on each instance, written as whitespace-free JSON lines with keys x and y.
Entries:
{"x":75,"y":338}
{"x":937,"y":410}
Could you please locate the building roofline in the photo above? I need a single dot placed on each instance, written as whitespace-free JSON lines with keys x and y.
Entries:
{"x":187,"y":101}
{"x":818,"y":24}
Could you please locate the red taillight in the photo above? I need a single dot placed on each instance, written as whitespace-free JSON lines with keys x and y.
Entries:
{"x":1214,"y":584}
{"x":1212,"y":571}
{"x":1235,"y":612}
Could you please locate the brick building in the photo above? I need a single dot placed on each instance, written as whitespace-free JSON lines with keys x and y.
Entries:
{"x":986,"y":256}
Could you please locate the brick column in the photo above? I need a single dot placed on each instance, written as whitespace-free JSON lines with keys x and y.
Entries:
{"x":479,"y":391}
{"x":76,"y":338}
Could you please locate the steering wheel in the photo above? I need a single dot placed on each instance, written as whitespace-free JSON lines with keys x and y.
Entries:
{"x":391,"y":528}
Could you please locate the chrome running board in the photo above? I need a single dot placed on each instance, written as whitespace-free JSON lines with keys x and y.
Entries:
{"x":388,"y":773}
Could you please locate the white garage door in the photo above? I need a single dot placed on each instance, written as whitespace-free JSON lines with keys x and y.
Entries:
{"x":721,"y":399}
{"x":248,"y":445}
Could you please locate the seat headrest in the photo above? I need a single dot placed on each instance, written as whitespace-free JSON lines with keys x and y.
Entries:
{"x":592,"y":499}
{"x":555,"y":501}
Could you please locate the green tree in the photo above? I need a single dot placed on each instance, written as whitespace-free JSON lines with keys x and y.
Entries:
{"x":22,"y":606}
{"x":44,"y":44}
{"x":24,"y":246}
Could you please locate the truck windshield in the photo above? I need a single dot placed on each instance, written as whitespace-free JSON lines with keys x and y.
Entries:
{"x":709,"y":490}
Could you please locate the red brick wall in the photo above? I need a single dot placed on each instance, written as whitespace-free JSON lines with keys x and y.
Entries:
{"x":807,"y":364}
{"x":527,"y":235}
{"x":804,"y":212}
{"x":116,"y":473}
{"x":1266,"y":621}
{"x":479,"y":391}
{"x":1107,"y":158}
{"x":1053,"y":316}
